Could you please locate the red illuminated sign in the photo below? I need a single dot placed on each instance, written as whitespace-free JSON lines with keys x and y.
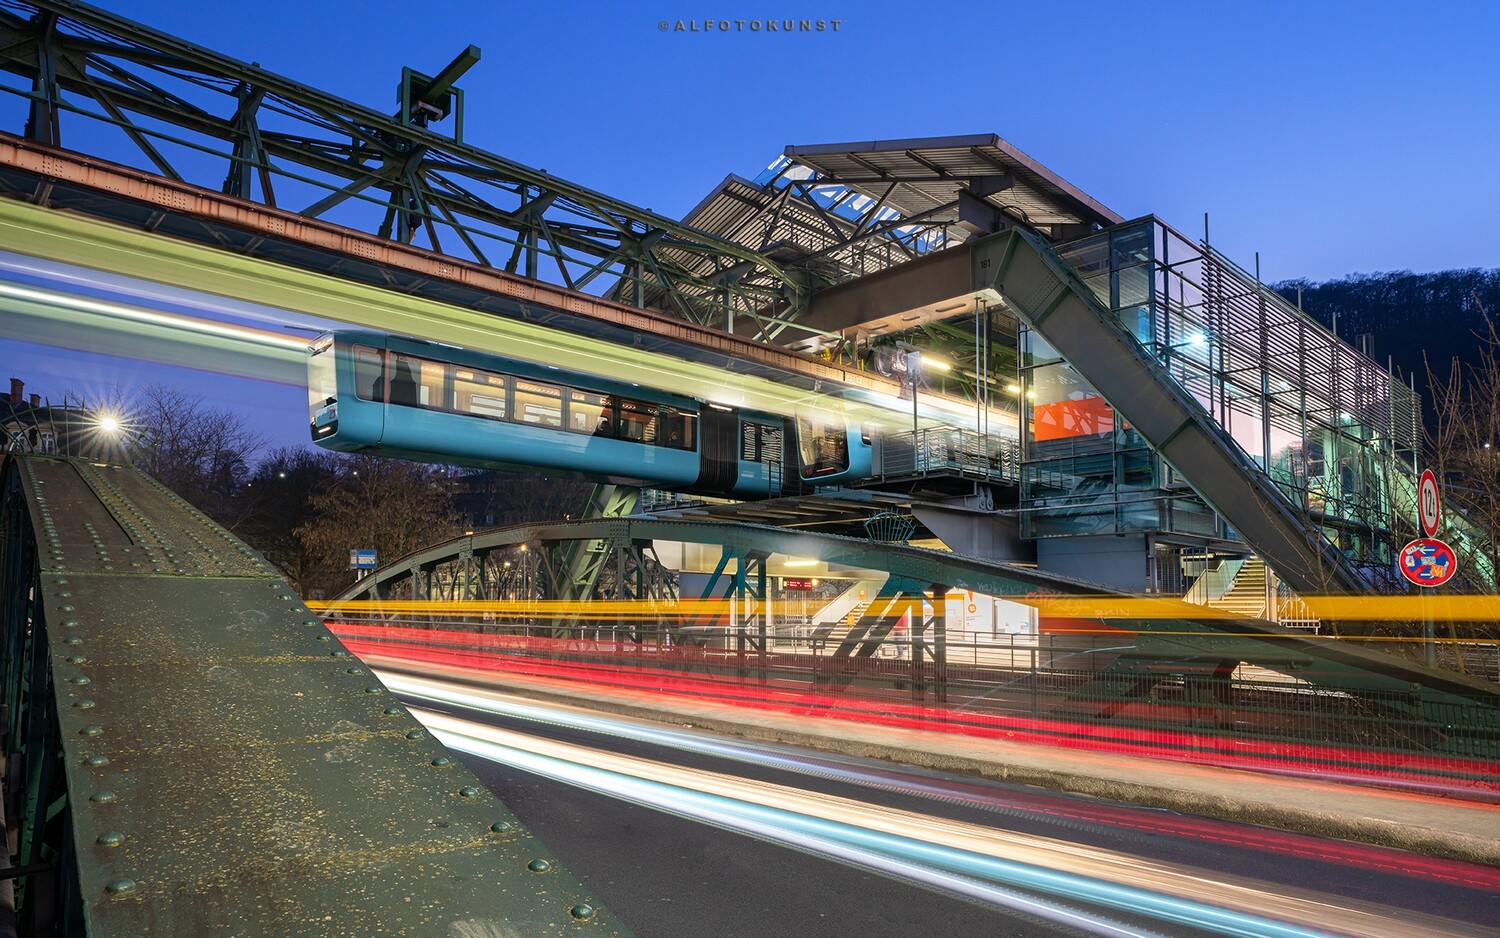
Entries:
{"x":792,"y":583}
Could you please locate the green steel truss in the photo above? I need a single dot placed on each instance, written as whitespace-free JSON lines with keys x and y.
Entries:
{"x":196,"y":116}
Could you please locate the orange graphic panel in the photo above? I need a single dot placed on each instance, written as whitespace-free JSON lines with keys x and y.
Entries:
{"x":1083,"y":417}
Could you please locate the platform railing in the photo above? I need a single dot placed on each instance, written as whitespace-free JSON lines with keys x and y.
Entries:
{"x":950,"y":451}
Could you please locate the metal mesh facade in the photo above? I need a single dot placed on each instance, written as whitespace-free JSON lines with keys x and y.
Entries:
{"x":1327,"y":424}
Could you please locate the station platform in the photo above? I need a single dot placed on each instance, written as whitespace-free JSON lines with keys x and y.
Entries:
{"x":1434,"y":822}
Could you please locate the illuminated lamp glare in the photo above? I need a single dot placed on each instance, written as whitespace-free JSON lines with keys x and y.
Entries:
{"x":798,"y":562}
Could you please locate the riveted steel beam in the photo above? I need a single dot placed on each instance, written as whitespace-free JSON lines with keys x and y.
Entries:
{"x":187,"y":727}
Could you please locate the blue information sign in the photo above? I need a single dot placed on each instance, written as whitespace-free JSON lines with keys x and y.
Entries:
{"x":361,"y":560}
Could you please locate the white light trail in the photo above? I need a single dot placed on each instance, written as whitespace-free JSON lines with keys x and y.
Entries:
{"x":989,"y":857}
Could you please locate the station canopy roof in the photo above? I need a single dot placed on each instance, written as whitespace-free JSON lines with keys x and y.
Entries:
{"x":844,"y":210}
{"x":923,"y":174}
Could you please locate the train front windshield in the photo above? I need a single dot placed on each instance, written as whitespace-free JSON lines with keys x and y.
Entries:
{"x":823,"y":447}
{"x":322,"y":385}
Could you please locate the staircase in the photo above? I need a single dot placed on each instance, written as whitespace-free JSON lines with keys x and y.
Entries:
{"x":1246,"y":598}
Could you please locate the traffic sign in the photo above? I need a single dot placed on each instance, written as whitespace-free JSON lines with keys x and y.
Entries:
{"x":361,"y":560}
{"x":1429,"y":504}
{"x":1428,"y":562}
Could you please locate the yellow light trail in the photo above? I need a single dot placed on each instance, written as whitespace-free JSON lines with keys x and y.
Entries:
{"x":1463,"y":608}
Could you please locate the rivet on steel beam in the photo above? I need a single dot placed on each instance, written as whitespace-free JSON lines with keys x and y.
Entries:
{"x":539,"y":866}
{"x":325,"y":638}
{"x":416,"y":734}
{"x":469,"y":791}
{"x":120,"y":887}
{"x":96,"y":760}
{"x":339,"y":654}
{"x":309,"y":621}
{"x":83,"y":704}
{"x":77,"y":659}
{"x":66,"y":608}
{"x":374,"y":690}
{"x":69,"y":623}
{"x":91,"y":730}
{"x":79,"y":679}
{"x":582,"y":911}
{"x":64,"y":593}
{"x":501,"y":827}
{"x":354,"y":670}
{"x":392,"y":711}
{"x":442,"y":761}
{"x":110,"y":839}
{"x":104,"y":797}
{"x":72,"y":640}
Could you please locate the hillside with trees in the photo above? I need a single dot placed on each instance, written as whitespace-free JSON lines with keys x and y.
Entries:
{"x":1411,"y":320}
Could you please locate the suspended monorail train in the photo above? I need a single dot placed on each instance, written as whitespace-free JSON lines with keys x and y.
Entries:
{"x":375,"y":393}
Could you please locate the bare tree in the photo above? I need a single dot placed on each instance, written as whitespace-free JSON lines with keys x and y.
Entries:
{"x":388,"y":505}
{"x":277,"y":499}
{"x":201,"y":454}
{"x":1464,"y":443}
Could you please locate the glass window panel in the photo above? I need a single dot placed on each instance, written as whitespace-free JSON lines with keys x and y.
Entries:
{"x":637,"y":421}
{"x":587,"y":413}
{"x":415,"y":382}
{"x":680,"y":428}
{"x":1131,"y":245}
{"x":368,"y":381}
{"x":479,"y":393}
{"x":538,"y":403}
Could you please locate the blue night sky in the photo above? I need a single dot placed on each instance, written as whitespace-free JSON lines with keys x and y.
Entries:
{"x":1330,"y":137}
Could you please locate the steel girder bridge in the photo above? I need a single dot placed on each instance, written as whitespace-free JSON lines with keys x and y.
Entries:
{"x":540,"y":563}
{"x":190,"y":751}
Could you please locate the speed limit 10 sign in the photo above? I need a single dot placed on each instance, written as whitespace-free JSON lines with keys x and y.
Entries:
{"x":1429,"y":504}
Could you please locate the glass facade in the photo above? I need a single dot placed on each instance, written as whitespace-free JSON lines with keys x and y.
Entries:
{"x":1326,"y":423}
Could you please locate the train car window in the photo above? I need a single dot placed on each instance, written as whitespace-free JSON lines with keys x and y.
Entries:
{"x":479,"y":393}
{"x":539,"y":404}
{"x":369,"y":381}
{"x":589,"y":413}
{"x":430,"y":379}
{"x":637,"y":421}
{"x":679,"y":429}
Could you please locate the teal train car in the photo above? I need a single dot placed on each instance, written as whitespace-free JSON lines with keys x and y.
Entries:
{"x":392,"y":396}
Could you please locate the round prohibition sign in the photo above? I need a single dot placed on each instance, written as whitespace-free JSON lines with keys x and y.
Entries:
{"x":1429,"y":503}
{"x":1428,"y":562}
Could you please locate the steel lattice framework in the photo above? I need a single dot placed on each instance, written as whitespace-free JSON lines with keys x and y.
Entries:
{"x":90,"y":81}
